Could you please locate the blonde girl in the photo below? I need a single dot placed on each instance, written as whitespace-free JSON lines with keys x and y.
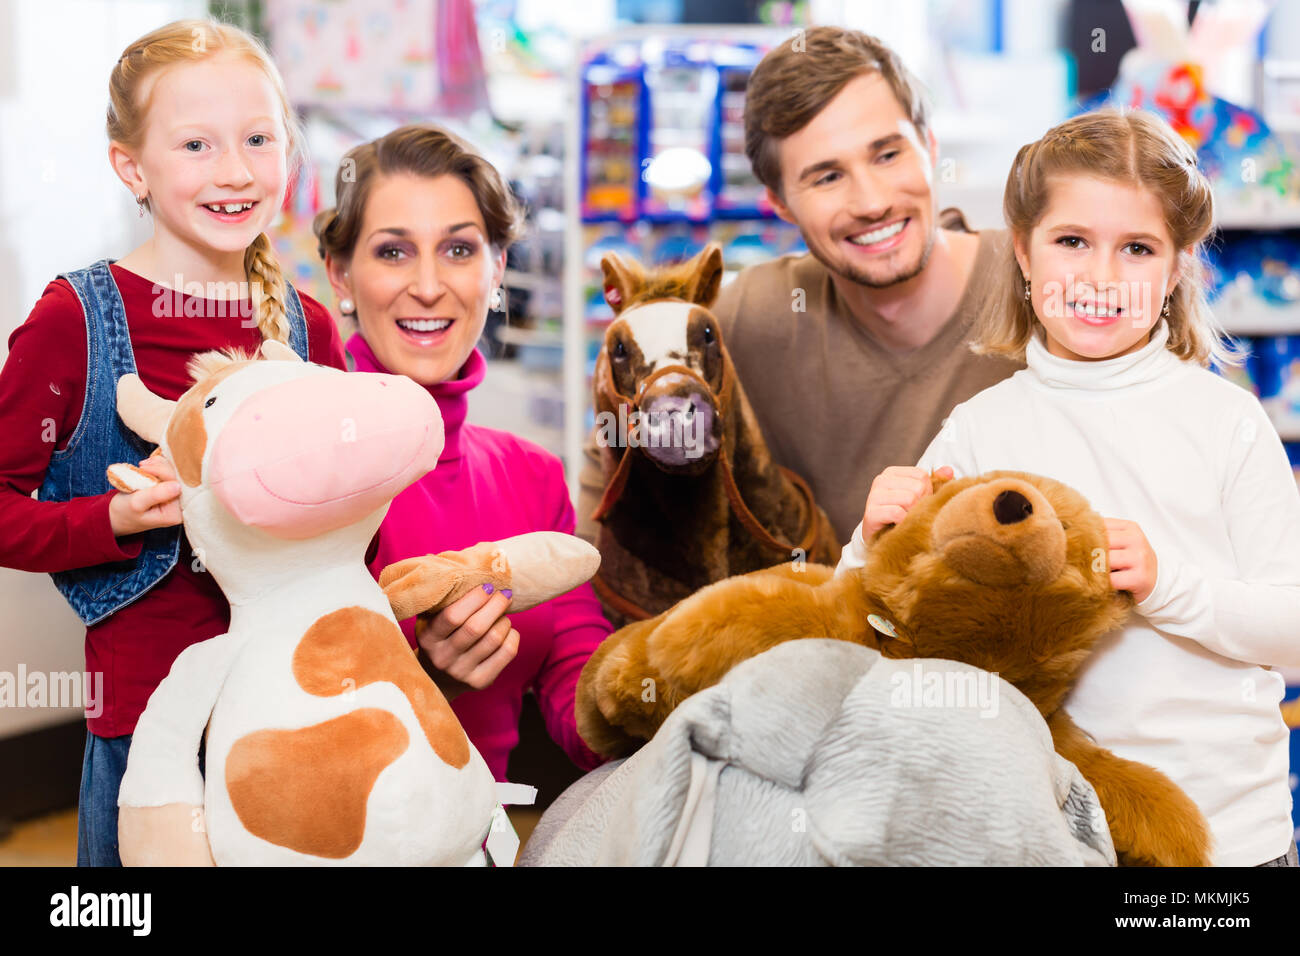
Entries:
{"x":202,"y":134}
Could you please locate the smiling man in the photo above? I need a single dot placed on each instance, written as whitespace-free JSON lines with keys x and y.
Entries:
{"x":851,"y":355}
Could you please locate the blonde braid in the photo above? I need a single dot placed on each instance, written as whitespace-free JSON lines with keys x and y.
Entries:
{"x":267,"y":289}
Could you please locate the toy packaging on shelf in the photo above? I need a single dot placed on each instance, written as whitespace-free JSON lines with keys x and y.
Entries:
{"x":1255,"y":282}
{"x":1187,"y":75}
{"x":1256,"y":295}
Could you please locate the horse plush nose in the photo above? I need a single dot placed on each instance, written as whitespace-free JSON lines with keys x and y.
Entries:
{"x":676,"y":428}
{"x":318,"y":453}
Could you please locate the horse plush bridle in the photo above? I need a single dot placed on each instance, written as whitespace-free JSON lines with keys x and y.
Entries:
{"x":618,"y":481}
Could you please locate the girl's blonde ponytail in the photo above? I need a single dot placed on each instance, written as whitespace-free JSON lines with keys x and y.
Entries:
{"x":267,"y":289}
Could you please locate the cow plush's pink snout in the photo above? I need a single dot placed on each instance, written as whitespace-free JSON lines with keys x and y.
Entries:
{"x":296,"y":476}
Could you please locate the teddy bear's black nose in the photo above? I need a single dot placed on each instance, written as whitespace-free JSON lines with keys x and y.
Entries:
{"x":1011,"y":507}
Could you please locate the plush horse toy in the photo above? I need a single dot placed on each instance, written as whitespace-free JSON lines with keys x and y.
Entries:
{"x":327,"y":742}
{"x":693,"y":495}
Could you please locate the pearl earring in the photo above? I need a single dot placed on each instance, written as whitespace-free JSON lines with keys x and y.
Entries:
{"x":347,"y":307}
{"x":495,"y":302}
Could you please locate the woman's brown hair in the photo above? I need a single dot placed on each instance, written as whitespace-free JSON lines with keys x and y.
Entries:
{"x":421,"y":149}
{"x":1131,"y":147}
{"x":192,"y":41}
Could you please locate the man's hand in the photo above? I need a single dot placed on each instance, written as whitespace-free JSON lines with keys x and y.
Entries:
{"x":470,"y":640}
{"x":894,"y":493}
{"x":158,"y":506}
{"x":1133,"y":564}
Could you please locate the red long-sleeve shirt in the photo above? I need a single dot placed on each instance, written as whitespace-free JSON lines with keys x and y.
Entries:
{"x":42,"y":389}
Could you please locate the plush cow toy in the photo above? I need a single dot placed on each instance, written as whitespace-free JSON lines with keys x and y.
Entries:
{"x":327,"y":743}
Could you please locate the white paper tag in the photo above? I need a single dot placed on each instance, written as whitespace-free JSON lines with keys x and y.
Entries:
{"x":882,"y":625}
{"x":516,"y":794}
{"x":502,"y":841}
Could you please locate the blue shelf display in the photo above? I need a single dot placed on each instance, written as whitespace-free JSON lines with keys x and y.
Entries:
{"x":663,"y":135}
{"x":613,"y":101}
{"x":1255,"y":294}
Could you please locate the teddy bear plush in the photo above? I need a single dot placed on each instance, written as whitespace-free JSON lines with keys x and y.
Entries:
{"x":327,"y":743}
{"x":1006,"y":572}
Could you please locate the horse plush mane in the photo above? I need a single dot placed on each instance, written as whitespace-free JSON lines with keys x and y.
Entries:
{"x":326,"y":740}
{"x":692,"y":495}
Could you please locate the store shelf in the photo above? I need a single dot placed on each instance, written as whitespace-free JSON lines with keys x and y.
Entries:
{"x":1241,"y":312}
{"x":524,"y":401}
{"x":1262,"y":213}
{"x":1286,"y":422}
{"x":530,"y":281}
{"x":538,"y":338}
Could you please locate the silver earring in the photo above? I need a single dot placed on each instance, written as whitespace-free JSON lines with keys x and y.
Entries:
{"x":1026,"y":289}
{"x":139,"y":204}
{"x":495,"y":302}
{"x":347,"y":307}
{"x":1164,"y":312}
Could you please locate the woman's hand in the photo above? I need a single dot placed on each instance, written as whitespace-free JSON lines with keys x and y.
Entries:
{"x":894,"y":493}
{"x":158,"y":506}
{"x":470,"y":641}
{"x":1133,"y":564}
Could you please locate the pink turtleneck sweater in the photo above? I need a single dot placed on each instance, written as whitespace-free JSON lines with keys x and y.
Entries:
{"x":490,"y":485}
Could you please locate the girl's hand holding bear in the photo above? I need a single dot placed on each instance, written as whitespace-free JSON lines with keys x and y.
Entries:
{"x":893,"y":494}
{"x":1133,"y":563}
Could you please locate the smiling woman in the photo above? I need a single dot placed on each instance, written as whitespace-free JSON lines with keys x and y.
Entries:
{"x":415,"y":251}
{"x":416,"y":247}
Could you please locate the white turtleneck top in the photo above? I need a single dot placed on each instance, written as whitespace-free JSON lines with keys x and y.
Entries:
{"x":1186,"y":685}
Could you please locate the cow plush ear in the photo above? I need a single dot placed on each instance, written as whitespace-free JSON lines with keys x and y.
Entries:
{"x":141,"y":410}
{"x":623,"y":279}
{"x":271,"y":349}
{"x":706,"y":279}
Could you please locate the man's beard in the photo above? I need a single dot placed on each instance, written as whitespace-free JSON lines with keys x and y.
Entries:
{"x":862,"y":278}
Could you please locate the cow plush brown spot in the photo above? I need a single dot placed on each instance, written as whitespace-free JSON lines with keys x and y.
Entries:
{"x":307,"y":789}
{"x":349,"y":648}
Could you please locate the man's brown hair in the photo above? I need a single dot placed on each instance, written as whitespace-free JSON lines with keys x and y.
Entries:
{"x":794,"y":82}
